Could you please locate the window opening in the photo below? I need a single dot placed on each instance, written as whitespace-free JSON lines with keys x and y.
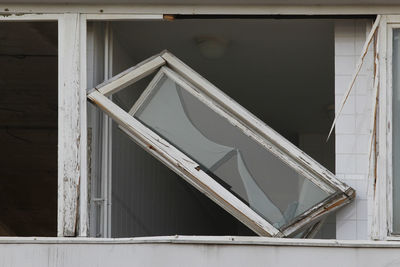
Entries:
{"x":222,"y":149}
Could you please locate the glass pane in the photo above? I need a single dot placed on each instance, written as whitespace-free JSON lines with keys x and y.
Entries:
{"x":396,"y":131}
{"x":235,"y":160}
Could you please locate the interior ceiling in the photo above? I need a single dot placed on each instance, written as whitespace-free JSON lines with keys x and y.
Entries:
{"x":281,"y":70}
{"x":213,"y":2}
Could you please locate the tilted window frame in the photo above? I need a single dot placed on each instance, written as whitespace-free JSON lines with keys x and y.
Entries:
{"x":340,"y":193}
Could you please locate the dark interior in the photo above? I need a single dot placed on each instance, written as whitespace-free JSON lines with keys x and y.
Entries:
{"x":28,"y":128}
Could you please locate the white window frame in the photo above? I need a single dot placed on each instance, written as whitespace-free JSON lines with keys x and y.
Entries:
{"x":215,"y":99}
{"x":72,"y":214}
{"x":382,"y":211}
{"x":71,"y":119}
{"x":72,"y":177}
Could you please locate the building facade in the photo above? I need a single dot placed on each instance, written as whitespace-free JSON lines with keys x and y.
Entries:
{"x":256,"y":89}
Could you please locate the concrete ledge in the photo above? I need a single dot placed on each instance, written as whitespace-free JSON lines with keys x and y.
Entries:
{"x":195,"y":251}
{"x":211,"y":240}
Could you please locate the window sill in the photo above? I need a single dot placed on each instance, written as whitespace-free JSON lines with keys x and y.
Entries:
{"x":219,"y":240}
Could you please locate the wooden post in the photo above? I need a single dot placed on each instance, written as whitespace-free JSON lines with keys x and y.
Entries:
{"x":72,"y":139}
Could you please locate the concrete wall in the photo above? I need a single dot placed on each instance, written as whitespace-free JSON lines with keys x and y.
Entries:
{"x":186,"y":251}
{"x":353,"y":126}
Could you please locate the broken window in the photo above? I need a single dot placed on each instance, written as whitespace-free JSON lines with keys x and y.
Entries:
{"x":223,"y":150}
{"x":396,"y":131}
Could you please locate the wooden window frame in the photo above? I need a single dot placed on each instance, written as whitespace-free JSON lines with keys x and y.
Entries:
{"x":215,"y":99}
{"x":72,"y":141}
{"x":71,"y":174}
{"x":72,"y":214}
{"x":382,"y":210}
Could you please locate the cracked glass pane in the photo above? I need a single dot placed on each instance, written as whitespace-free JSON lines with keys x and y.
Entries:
{"x":243,"y":166}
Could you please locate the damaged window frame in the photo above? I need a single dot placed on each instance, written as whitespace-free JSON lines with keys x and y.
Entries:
{"x":339,"y":193}
{"x":381,"y":140}
{"x":383,"y":168}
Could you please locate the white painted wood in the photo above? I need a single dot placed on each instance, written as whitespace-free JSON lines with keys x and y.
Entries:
{"x":83,"y":184}
{"x":393,"y":19}
{"x":277,"y":144}
{"x":184,"y":166}
{"x":72,"y":150}
{"x":29,"y":17}
{"x":388,"y":128}
{"x":123,"y":9}
{"x":379,"y":222}
{"x":116,"y":17}
{"x":383,"y":201}
{"x":372,"y":153}
{"x":130,"y":76}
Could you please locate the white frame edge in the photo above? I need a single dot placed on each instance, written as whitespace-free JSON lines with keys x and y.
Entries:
{"x":72,"y":128}
{"x":382,"y":226}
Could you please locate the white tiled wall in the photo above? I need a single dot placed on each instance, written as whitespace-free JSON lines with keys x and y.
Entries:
{"x":353,"y":126}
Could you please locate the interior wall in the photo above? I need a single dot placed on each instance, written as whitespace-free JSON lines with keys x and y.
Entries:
{"x":354,"y":126}
{"x":28,"y":128}
{"x":285,"y":79}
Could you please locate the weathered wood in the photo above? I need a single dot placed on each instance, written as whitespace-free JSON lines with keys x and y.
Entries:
{"x":28,"y":16}
{"x":184,"y":166}
{"x":147,"y":91}
{"x":320,"y":210}
{"x":83,"y":214}
{"x":372,"y":161}
{"x":72,"y":124}
{"x":389,"y":123}
{"x":130,"y":76}
{"x":379,"y":229}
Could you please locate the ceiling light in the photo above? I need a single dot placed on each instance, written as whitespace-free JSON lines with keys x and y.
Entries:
{"x":211,"y":47}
